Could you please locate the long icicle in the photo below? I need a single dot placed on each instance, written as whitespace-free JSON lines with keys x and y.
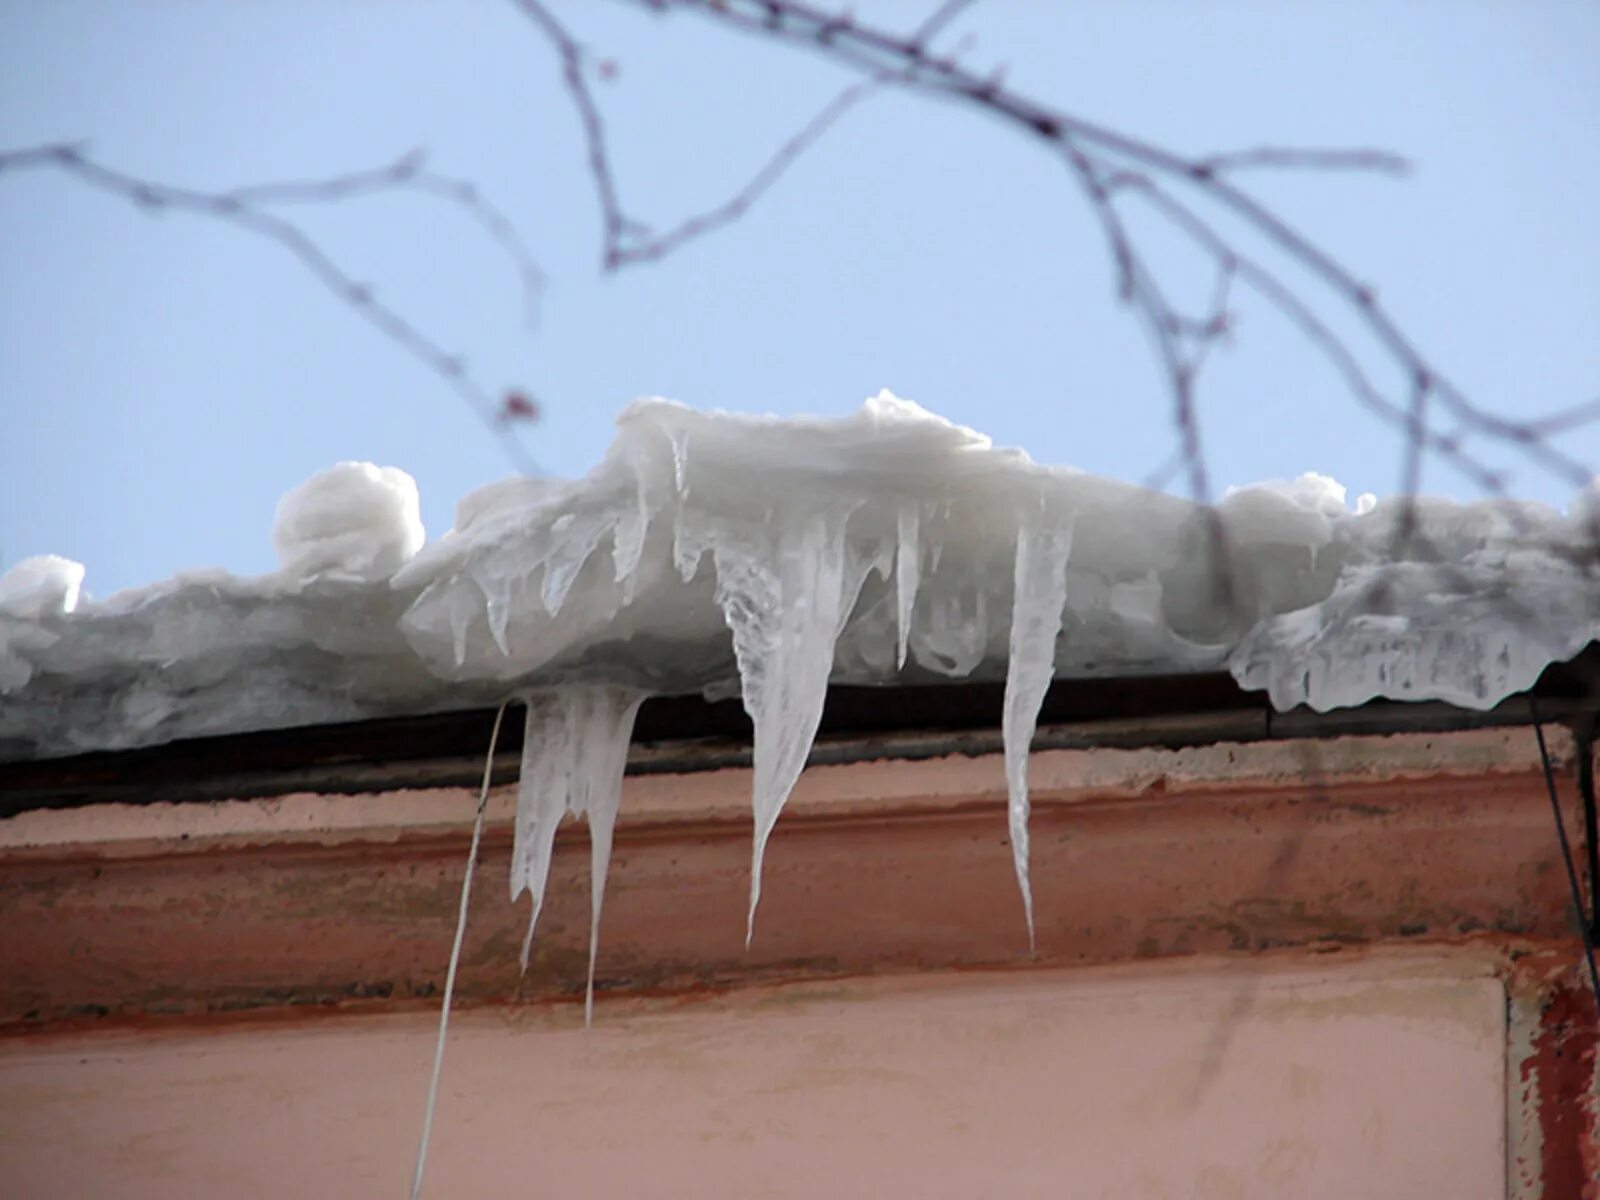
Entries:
{"x":455,"y":956}
{"x":1040,"y":595}
{"x":602,"y":799}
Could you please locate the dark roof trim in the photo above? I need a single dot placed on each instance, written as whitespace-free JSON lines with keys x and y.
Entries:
{"x":687,"y":733}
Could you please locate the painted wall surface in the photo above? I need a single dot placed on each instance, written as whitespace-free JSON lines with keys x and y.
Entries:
{"x":1382,"y":1079}
{"x":905,"y":866}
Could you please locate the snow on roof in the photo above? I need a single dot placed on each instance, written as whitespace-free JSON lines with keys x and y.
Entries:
{"x":887,"y":545}
{"x":767,"y":557}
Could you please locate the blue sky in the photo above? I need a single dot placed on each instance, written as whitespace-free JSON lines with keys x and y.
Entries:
{"x":164,"y":379}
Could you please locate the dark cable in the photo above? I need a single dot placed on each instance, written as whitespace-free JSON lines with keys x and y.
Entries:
{"x":1591,"y":823}
{"x":1566,"y":853}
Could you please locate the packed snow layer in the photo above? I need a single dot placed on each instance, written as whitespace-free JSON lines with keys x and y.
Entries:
{"x":766,"y":558}
{"x":354,"y":520}
{"x":46,"y":584}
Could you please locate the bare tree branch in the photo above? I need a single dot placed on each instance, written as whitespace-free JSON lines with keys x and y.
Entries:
{"x":1095,"y":154}
{"x":1279,"y":157}
{"x":245,"y":208}
{"x":1578,"y":415}
{"x":410,"y":172}
{"x":1282,"y":297}
{"x":1107,"y":165}
{"x":938,"y":19}
{"x":1416,"y":441}
{"x":737,"y":205}
{"x":628,"y":241}
{"x":594,"y":129}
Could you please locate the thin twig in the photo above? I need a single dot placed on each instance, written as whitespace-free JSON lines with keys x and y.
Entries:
{"x":1559,"y":422}
{"x":594,"y":129}
{"x":938,"y":19}
{"x":1411,"y":475}
{"x":245,"y":208}
{"x":1289,"y":304}
{"x":1281,"y":157}
{"x":627,"y":241}
{"x":769,"y":174}
{"x":410,"y":172}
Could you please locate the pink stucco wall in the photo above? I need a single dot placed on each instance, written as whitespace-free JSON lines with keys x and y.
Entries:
{"x":1379,"y":1079}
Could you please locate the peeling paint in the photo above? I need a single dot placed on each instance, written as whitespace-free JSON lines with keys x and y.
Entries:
{"x":1559,"y":1079}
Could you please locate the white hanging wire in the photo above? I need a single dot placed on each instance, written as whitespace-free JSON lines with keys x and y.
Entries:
{"x":455,"y":956}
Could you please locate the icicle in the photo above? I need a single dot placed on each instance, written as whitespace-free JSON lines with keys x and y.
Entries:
{"x":908,"y":561}
{"x":574,"y":751}
{"x":549,"y":760}
{"x":785,"y":595}
{"x":680,"y":460}
{"x":627,"y":540}
{"x":497,"y":610}
{"x":953,"y":637}
{"x":570,"y":554}
{"x":459,"y":624}
{"x":1040,"y":595}
{"x":610,"y":722}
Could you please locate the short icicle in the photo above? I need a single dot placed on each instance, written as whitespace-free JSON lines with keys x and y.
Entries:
{"x":611,"y":724}
{"x":907,"y":574}
{"x":574,"y":753}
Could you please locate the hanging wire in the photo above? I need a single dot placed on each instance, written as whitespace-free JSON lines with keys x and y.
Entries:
{"x":1566,"y":853}
{"x":455,"y":956}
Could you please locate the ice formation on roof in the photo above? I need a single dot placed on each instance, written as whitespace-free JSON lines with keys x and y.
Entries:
{"x":1490,"y":597}
{"x":767,"y":558}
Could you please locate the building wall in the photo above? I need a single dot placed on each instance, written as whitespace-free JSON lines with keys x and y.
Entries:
{"x":1380,"y":1080}
{"x":1306,"y":967}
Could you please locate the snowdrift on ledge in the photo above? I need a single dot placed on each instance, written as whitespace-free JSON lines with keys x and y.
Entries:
{"x":767,"y":557}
